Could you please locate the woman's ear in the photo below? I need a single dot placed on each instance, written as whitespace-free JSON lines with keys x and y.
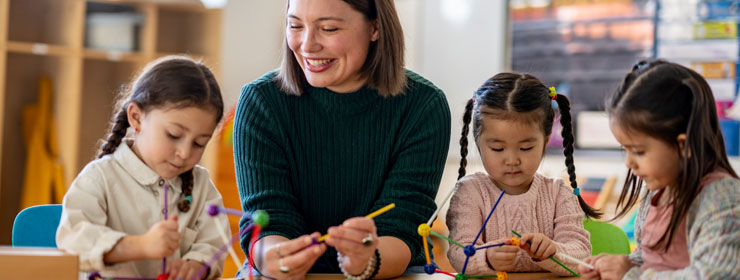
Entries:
{"x":376,"y":31}
{"x":681,"y":139}
{"x":135,"y":115}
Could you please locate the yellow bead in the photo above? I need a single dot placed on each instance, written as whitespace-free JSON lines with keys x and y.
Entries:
{"x":424,"y":230}
{"x":501,"y":275}
{"x":515,"y":241}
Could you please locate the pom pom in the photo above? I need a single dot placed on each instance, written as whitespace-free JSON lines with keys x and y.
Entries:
{"x":424,"y":230}
{"x":212,"y":210}
{"x":515,"y":241}
{"x":469,"y":250}
{"x":261,"y":218}
{"x":429,"y":269}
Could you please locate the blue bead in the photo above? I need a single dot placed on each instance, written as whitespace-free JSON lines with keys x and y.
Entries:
{"x":577,"y":191}
{"x":469,"y":250}
{"x":429,"y":269}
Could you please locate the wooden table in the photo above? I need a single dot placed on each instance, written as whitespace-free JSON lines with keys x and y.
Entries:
{"x":436,"y":276}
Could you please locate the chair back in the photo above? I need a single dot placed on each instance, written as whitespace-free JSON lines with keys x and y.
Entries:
{"x":606,"y":238}
{"x":36,"y":226}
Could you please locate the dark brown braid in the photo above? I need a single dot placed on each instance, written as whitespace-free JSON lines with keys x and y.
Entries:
{"x":568,"y":147}
{"x":464,"y":138}
{"x":187,"y":190}
{"x":116,"y":132}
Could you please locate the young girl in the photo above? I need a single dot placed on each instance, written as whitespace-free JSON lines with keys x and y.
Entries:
{"x":688,"y":224}
{"x":114,"y":212}
{"x":512,"y":118}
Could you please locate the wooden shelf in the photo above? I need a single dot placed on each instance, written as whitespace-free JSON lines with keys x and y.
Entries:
{"x":39,"y":49}
{"x":47,"y":37}
{"x":114,"y":56}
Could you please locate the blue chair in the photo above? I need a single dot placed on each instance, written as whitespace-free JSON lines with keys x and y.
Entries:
{"x":36,"y":226}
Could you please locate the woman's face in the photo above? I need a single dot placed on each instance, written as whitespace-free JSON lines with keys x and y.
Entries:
{"x":330,"y":40}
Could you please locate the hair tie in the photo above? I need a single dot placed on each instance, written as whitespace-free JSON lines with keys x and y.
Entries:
{"x":189,"y":199}
{"x":553,"y":93}
{"x":577,"y":191}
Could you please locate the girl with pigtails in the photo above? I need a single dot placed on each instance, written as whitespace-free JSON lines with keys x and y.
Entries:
{"x":115,"y":212}
{"x":512,"y":116}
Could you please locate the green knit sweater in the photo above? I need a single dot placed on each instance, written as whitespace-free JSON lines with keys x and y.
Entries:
{"x":315,"y":160}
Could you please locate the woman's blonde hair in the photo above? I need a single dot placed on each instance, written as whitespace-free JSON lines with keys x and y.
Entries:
{"x":384,"y":63}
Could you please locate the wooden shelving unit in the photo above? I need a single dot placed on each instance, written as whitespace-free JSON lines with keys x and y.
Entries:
{"x":47,"y":37}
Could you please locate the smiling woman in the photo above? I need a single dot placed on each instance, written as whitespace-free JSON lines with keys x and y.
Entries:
{"x":340,"y":130}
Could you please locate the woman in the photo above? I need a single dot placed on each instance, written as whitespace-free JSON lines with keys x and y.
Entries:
{"x":340,"y":130}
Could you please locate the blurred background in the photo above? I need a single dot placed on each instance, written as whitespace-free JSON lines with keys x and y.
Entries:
{"x":62,"y":63}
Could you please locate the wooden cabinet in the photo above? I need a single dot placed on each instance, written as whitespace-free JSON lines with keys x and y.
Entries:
{"x":47,"y":37}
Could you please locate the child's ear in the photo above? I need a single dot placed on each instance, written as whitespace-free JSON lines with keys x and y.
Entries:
{"x":134,"y":114}
{"x":681,"y":139}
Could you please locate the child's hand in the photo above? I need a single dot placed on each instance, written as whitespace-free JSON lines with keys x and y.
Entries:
{"x":502,"y":258}
{"x":611,"y":266}
{"x":538,"y":246}
{"x":587,"y":273}
{"x":162,"y":239}
{"x":184,"y":269}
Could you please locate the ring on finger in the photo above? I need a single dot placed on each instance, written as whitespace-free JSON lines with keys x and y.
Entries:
{"x":368,"y":241}
{"x":277,"y":250}
{"x":283,"y":268}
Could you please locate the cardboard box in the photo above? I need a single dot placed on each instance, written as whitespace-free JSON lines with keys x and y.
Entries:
{"x":37,"y":263}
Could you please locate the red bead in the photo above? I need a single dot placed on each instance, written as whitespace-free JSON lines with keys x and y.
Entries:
{"x":162,"y":277}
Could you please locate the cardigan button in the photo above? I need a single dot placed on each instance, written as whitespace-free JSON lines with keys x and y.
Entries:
{"x":161,"y":182}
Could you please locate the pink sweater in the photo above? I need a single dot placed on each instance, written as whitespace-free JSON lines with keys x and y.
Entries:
{"x":548,"y":207}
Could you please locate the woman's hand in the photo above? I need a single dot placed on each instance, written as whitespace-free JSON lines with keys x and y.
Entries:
{"x":292,"y":259}
{"x":502,"y":258}
{"x":184,"y":269}
{"x":356,"y":239}
{"x":538,"y":246}
{"x":588,"y":273}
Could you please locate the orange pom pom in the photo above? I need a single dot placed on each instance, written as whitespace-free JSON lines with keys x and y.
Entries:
{"x":515,"y":241}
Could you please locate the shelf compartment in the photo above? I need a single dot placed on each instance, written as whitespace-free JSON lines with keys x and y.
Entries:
{"x":53,"y":22}
{"x":21,"y":89}
{"x":187,"y":30}
{"x":103,"y":80}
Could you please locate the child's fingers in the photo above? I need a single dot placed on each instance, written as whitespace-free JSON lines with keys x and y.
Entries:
{"x":173,"y":268}
{"x":542,"y":250}
{"x":507,"y":249}
{"x":536,"y":243}
{"x":590,"y":275}
{"x":551,"y":250}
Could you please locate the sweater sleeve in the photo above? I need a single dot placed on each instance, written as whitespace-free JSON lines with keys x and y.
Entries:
{"x":713,"y":228}
{"x":464,"y":219}
{"x":82,"y":229}
{"x":413,"y":179}
{"x":569,"y":235}
{"x":262,"y":166}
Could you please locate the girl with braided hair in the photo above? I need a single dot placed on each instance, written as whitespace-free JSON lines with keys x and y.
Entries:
{"x":512,"y":116}
{"x":115,"y":212}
